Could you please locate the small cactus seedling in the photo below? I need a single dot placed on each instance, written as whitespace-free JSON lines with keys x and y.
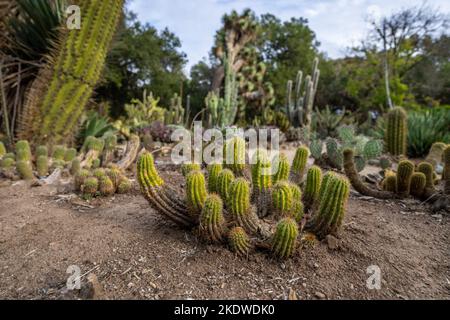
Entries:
{"x":284,"y":240}
{"x":299,"y":164}
{"x":106,"y":186}
{"x":80,"y":178}
{"x":313,"y":181}
{"x":212,"y":223}
{"x":90,"y":187}
{"x":396,"y":131}
{"x":427,"y":169}
{"x":195,"y":192}
{"x":24,"y":169}
{"x":239,"y":241}
{"x":42,"y":166}
{"x":283,"y":169}
{"x":418,"y":184}
{"x":214,"y":171}
{"x":405,"y":171}
{"x":331,"y":210}
{"x":224,"y":181}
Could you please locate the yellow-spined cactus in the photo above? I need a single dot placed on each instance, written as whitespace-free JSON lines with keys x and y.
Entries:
{"x":405,"y":171}
{"x":284,"y":240}
{"x":195,"y":192}
{"x":282,"y":199}
{"x":396,"y":131}
{"x":427,"y":169}
{"x":239,"y":241}
{"x":312,"y":188}
{"x":418,"y":184}
{"x":283,"y":168}
{"x":213,"y":175}
{"x":224,"y":181}
{"x":234,"y":155}
{"x":299,"y":164}
{"x":212,"y":223}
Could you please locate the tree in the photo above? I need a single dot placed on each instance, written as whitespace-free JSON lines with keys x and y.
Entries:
{"x":142,"y":59}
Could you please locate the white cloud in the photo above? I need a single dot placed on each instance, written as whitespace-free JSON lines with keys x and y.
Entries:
{"x":337,"y":23}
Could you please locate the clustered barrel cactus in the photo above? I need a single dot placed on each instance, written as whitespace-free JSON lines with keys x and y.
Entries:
{"x":265,"y":212}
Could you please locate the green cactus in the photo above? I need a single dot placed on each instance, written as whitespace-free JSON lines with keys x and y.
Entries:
{"x":390,"y":183}
{"x":224,"y":181}
{"x":234,"y":155}
{"x":261,"y":172}
{"x":106,"y":187}
{"x":96,"y":163}
{"x":316,"y":148}
{"x":214,"y":171}
{"x":418,"y":184}
{"x":282,"y":199}
{"x":90,"y":187}
{"x":58,"y":164}
{"x":427,"y":169}
{"x":187,"y":168}
{"x":299,"y":164}
{"x":23,"y":151}
{"x":360,"y":163}
{"x":312,"y":188}
{"x":42,"y":166}
{"x":283,"y":170}
{"x":41,"y":151}
{"x":65,"y":84}
{"x":347,"y":135}
{"x":239,"y":206}
{"x":284,"y":240}
{"x":404,"y":173}
{"x":2,"y":149}
{"x":115,"y":175}
{"x":212,"y":223}
{"x":75,"y":166}
{"x":70,"y":154}
{"x":59,"y":152}
{"x":330,"y":213}
{"x":24,"y":169}
{"x":110,"y":147}
{"x":195,"y":192}
{"x":99,"y":173}
{"x":373,"y":149}
{"x":124,"y":186}
{"x":239,"y":241}
{"x":7,"y":163}
{"x":298,"y":210}
{"x":80,"y":178}
{"x":396,"y":131}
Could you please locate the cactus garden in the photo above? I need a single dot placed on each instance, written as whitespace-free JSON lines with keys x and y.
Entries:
{"x":269,"y":171}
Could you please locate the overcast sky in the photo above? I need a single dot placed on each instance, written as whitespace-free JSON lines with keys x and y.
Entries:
{"x":337,"y":23}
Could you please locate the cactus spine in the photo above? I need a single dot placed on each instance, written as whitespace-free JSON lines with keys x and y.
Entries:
{"x":284,"y":240}
{"x":124,"y":186}
{"x":312,"y":188}
{"x":396,"y":131}
{"x":299,"y":164}
{"x":331,"y":210}
{"x":405,"y":171}
{"x":239,"y":241}
{"x":195,"y":192}
{"x":75,"y":166}
{"x":212,"y":223}
{"x":24,"y":169}
{"x":261,"y":173}
{"x":64,"y":86}
{"x":80,"y":178}
{"x":189,"y":167}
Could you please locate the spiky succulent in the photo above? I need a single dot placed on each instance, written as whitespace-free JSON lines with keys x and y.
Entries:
{"x":224,"y":181}
{"x":427,"y":169}
{"x":396,"y":131}
{"x":23,"y":151}
{"x":90,"y":187}
{"x":75,"y":166}
{"x":284,"y":240}
{"x":299,"y":164}
{"x":316,"y":148}
{"x":283,"y":168}
{"x":212,"y":223}
{"x":195,"y":192}
{"x":99,"y":173}
{"x":115,"y":175}
{"x":187,"y":168}
{"x":2,"y":149}
{"x":7,"y":163}
{"x":418,"y":184}
{"x":24,"y":170}
{"x":59,"y":152}
{"x":261,"y":172}
{"x":405,"y":171}
{"x":70,"y":154}
{"x":42,"y":166}
{"x":214,"y":171}
{"x":234,"y":155}
{"x":106,"y":187}
{"x":41,"y":151}
{"x":80,"y":178}
{"x":239,"y":241}
{"x":313,"y":181}
{"x":239,"y":205}
{"x":282,"y":198}
{"x":124,"y":186}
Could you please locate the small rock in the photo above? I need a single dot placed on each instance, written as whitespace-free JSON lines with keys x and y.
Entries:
{"x":332,"y":242}
{"x":320,"y":295}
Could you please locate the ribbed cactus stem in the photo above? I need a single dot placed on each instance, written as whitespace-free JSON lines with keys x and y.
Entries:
{"x":59,"y":153}
{"x":330,"y":213}
{"x":106,"y":187}
{"x":390,"y":183}
{"x":312,"y":188}
{"x":283,"y":169}
{"x":75,"y":166}
{"x":427,"y":169}
{"x":214,"y":171}
{"x":298,"y":209}
{"x":240,"y":207}
{"x":80,"y":178}
{"x":70,"y":154}
{"x":195,"y":192}
{"x":187,"y":168}
{"x":418,"y":184}
{"x":24,"y":169}
{"x":90,"y":187}
{"x":23,"y":151}
{"x":224,"y":181}
{"x":239,"y":241}
{"x":282,"y":199}
{"x":261,"y":172}
{"x":299,"y":164}
{"x":212,"y":223}
{"x":284,"y":240}
{"x":234,"y":155}
{"x":124,"y":186}
{"x":42,"y":166}
{"x":396,"y":131}
{"x":405,"y":171}
{"x":41,"y":151}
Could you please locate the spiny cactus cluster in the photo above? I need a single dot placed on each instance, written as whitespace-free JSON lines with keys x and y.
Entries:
{"x":266,"y":212}
{"x":365,"y":149}
{"x":396,"y":133}
{"x":101,"y":182}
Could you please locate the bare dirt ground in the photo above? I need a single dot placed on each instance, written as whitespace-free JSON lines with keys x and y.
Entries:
{"x":136,"y":254}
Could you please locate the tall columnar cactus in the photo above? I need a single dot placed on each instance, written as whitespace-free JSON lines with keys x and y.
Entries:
{"x":284,"y":240}
{"x":64,"y":86}
{"x":282,"y":199}
{"x":195,"y":192}
{"x":224,"y":181}
{"x":330,"y":213}
{"x":396,"y":131}
{"x":418,"y":184}
{"x":446,"y":173}
{"x":240,"y":207}
{"x":299,"y":111}
{"x":283,"y":168}
{"x":234,"y":155}
{"x":312,"y":188}
{"x":239,"y":241}
{"x":299,"y":164}
{"x":212,"y":223}
{"x":405,"y":171}
{"x":214,"y":171}
{"x":427,"y":169}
